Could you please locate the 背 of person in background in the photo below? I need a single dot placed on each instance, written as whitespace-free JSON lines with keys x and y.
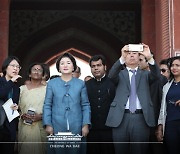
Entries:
{"x":9,"y":89}
{"x":77,"y":72}
{"x":30,"y":128}
{"x":101,"y":92}
{"x":46,"y":76}
{"x":164,"y":68}
{"x":87,"y":78}
{"x":169,"y":117}
{"x":66,"y":107}
{"x":131,"y":113}
{"x":156,"y":96}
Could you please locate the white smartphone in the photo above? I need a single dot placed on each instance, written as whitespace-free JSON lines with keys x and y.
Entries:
{"x":31,"y":111}
{"x":135,"y":47}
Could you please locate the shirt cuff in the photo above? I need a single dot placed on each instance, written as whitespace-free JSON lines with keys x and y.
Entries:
{"x":151,"y":61}
{"x":122,"y":61}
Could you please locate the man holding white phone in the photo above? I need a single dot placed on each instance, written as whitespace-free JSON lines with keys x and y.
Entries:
{"x":131,"y":113}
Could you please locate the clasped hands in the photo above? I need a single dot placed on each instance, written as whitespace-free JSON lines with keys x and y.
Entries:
{"x":34,"y":117}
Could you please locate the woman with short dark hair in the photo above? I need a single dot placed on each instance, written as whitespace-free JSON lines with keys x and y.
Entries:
{"x":9,"y":89}
{"x":66,"y":107}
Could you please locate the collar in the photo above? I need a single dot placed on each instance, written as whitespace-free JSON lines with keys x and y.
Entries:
{"x":128,"y":68}
{"x":100,"y":78}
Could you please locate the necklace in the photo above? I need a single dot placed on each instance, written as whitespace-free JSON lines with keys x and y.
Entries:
{"x":176,"y":83}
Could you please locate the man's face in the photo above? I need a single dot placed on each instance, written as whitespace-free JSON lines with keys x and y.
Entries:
{"x":76,"y":73}
{"x":142,"y":62}
{"x":132,"y":58}
{"x":98,"y":69}
{"x":165,"y":70}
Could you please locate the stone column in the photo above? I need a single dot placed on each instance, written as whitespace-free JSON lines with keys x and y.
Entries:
{"x":156,"y":25}
{"x":4,"y":29}
{"x":148,"y":24}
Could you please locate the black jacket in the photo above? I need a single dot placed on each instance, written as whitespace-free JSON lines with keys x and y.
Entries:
{"x":100,"y":94}
{"x":5,"y":88}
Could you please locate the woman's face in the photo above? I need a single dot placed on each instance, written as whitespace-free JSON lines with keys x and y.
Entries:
{"x":36,"y":72}
{"x":12,"y":69}
{"x":66,"y":66}
{"x":175,"y":68}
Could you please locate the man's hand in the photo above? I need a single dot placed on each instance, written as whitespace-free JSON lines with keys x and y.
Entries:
{"x":146,"y":52}
{"x":159,"y":133}
{"x":124,"y":52}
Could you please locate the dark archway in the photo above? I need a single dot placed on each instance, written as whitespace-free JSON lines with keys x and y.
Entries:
{"x":61,"y":36}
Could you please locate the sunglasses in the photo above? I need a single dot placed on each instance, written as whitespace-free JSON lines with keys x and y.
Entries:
{"x":163,"y":70}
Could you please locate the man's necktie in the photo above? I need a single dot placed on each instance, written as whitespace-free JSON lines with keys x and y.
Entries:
{"x":133,"y":95}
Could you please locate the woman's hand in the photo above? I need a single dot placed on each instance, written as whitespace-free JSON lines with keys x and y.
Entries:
{"x":15,"y":77}
{"x":85,"y":130}
{"x":159,"y":133}
{"x":14,"y":107}
{"x":49,"y":129}
{"x":35,"y":117}
{"x":177,"y":103}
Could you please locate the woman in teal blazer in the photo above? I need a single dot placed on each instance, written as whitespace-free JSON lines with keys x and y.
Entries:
{"x":66,"y":107}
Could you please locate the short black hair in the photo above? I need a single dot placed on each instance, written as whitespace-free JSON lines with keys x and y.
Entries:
{"x":68,"y":55}
{"x":164,"y":62}
{"x":46,"y":70}
{"x":96,"y":58}
{"x":78,"y":69}
{"x":6,"y":63}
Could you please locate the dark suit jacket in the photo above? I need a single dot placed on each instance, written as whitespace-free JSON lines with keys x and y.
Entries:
{"x":143,"y":81}
{"x":5,"y":88}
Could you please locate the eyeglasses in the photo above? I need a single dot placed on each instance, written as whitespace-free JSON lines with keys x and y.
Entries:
{"x":37,"y":71}
{"x":163,"y":70}
{"x":13,"y":65}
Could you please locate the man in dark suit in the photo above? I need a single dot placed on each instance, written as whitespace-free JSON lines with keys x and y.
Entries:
{"x":156,"y":96}
{"x":131,"y":113}
{"x":101,"y":92}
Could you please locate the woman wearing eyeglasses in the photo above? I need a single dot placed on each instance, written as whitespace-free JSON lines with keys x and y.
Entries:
{"x":169,"y":118}
{"x":9,"y":89}
{"x":31,"y":102}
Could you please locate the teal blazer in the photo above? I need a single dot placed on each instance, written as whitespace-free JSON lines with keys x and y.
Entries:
{"x":66,"y":106}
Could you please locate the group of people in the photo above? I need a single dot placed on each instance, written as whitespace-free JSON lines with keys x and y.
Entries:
{"x":117,"y":112}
